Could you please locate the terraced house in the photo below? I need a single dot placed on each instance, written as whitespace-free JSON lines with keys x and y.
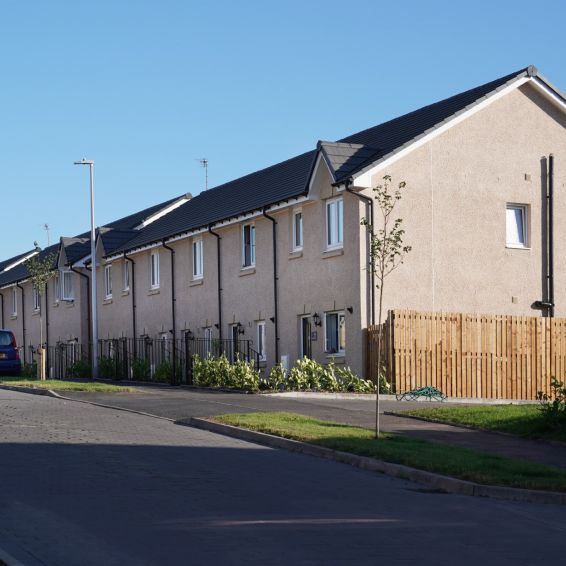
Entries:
{"x":279,"y":257}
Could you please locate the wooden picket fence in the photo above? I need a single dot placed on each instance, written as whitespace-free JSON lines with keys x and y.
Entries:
{"x":470,"y":355}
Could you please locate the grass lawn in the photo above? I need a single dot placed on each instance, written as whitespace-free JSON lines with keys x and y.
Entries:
{"x":431,"y":456}
{"x":522,"y":420}
{"x":60,"y":385}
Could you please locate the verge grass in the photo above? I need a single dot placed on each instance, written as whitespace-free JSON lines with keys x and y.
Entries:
{"x":431,"y":456}
{"x":522,"y":420}
{"x":61,"y":385}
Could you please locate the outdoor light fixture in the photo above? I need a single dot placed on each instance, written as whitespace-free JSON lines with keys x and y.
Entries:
{"x":350,"y":309}
{"x":189,"y":334}
{"x":272,"y":319}
{"x":316,"y":319}
{"x":240,"y":328}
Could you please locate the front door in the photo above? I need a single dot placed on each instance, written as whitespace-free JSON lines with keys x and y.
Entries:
{"x":306,"y":343}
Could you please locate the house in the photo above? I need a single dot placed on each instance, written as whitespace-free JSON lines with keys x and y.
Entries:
{"x":65,"y":308}
{"x":279,"y":256}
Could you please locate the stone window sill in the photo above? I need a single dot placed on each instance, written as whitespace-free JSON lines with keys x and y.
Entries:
{"x":332,"y":253}
{"x":295,"y":254}
{"x":125,"y":292}
{"x":195,"y":282}
{"x":108,"y":301}
{"x":13,"y":316}
{"x":153,"y":292}
{"x":247,"y":271}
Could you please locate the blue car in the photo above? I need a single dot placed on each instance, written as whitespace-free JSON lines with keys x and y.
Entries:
{"x":10,"y":363}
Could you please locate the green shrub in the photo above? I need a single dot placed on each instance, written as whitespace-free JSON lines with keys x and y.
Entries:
{"x":29,"y":370}
{"x":350,"y":382}
{"x":164,"y":372}
{"x":277,"y":378}
{"x":107,"y":367}
{"x":554,"y":410}
{"x":219,"y":372}
{"x":81,"y":369}
{"x":141,"y":369}
{"x":243,"y":375}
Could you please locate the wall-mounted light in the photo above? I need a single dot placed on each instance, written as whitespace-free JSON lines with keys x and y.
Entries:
{"x":240,"y":328}
{"x":316,"y":319}
{"x":217,"y":326}
{"x":189,"y":334}
{"x":350,"y":309}
{"x":272,"y":319}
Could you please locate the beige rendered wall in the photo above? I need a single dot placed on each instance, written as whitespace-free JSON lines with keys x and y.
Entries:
{"x":454,"y":205}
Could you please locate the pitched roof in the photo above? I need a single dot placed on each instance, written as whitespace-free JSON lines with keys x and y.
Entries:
{"x":78,"y":247}
{"x":394,"y":134}
{"x":7,"y":262}
{"x":20,"y":272}
{"x":277,"y":183}
{"x":75,"y":248}
{"x":113,"y":239}
{"x":290,"y":179}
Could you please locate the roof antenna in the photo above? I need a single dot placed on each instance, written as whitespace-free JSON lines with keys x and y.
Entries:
{"x":46,"y":228}
{"x":204,"y":163}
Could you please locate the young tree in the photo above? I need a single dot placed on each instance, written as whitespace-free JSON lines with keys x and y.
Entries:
{"x":41,"y":270}
{"x":387,"y":251}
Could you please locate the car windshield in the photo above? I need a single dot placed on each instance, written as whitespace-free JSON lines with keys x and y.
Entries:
{"x":5,"y":338}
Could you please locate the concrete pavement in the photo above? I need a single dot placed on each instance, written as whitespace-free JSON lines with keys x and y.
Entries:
{"x":86,"y":485}
{"x":182,"y":404}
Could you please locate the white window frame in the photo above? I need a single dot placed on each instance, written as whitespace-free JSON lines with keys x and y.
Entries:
{"x":126,"y":276}
{"x":251,"y":226}
{"x":67,"y":274}
{"x":208,"y":339}
{"x":334,"y":213}
{"x":297,"y":238}
{"x":36,"y":299}
{"x":524,"y":210}
{"x":261,"y":349}
{"x":14,"y":301}
{"x":341,"y":346}
{"x":108,"y":281}
{"x":154,"y":275}
{"x":57,"y":290}
{"x":198,"y":258}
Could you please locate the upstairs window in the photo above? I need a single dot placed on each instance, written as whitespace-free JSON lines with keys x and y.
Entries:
{"x":516,"y":226}
{"x":126,"y":275}
{"x":67,"y":291}
{"x":154,"y":270}
{"x":14,"y":302}
{"x":108,"y":281}
{"x":198,"y":263}
{"x":57,"y":289}
{"x":36,"y":299}
{"x":248,"y":245}
{"x":298,"y":230}
{"x":334,"y":223}
{"x":335,"y":327}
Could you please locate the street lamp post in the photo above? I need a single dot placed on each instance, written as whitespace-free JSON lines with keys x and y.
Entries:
{"x":94,"y":321}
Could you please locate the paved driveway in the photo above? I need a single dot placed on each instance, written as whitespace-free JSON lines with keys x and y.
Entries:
{"x":86,"y":485}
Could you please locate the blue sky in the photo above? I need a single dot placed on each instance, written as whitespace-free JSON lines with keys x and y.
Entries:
{"x":145,"y":88}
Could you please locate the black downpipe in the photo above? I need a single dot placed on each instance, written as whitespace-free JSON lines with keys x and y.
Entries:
{"x":219,"y":266}
{"x":133,"y":285}
{"x":275,"y":285}
{"x":2,"y":295}
{"x":173,"y":300}
{"x":368,"y":201}
{"x":551,"y":233}
{"x":88,"y":300}
{"x":23,"y":321}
